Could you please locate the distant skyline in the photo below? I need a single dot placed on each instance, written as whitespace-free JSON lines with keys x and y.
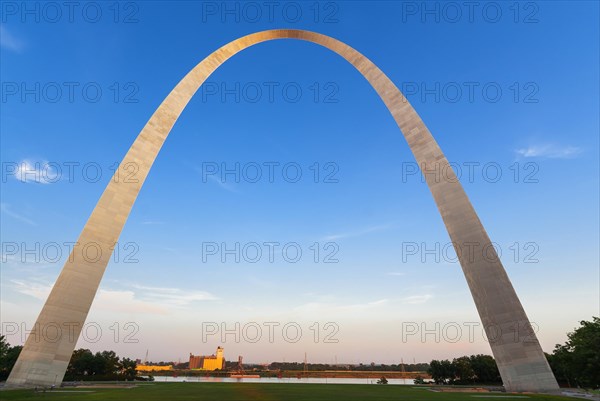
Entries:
{"x":514,"y":105}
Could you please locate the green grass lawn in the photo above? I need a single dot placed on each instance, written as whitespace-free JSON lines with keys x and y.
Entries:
{"x":266,"y":392}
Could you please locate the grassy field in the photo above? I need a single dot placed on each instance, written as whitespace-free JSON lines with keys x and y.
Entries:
{"x":266,"y":392}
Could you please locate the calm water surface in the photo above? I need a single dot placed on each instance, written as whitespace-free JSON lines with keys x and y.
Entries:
{"x":194,"y":379}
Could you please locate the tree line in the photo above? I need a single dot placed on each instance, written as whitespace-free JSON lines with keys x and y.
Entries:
{"x":84,"y":365}
{"x":474,"y":369}
{"x":104,"y":365}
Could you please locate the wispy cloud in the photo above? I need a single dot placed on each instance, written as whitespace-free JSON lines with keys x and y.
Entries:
{"x":417,"y":299}
{"x":549,"y":151}
{"x":10,"y":42}
{"x":126,"y":302}
{"x":337,"y":309}
{"x":37,"y":172}
{"x":5,"y":208}
{"x":224,"y":185}
{"x":152,"y":223}
{"x":106,"y":299}
{"x":216,"y":179}
{"x":171,"y":296}
{"x":31,"y":288}
{"x":138,"y":298}
{"x":22,"y":261}
{"x":356,"y":233}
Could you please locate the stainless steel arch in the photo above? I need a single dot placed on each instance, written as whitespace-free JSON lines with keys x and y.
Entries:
{"x":520,"y":359}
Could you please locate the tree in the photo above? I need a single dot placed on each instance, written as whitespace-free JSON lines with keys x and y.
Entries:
{"x":441,"y":371}
{"x":560,"y":363}
{"x":8,"y":357}
{"x":128,"y":369}
{"x":485,"y":369}
{"x":584,"y":344}
{"x":435,"y":371}
{"x":108,"y":363}
{"x":4,"y":346}
{"x":81,"y":364}
{"x":578,"y":361}
{"x":463,"y":370}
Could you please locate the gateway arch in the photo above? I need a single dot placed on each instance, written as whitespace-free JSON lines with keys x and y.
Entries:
{"x":521,"y":361}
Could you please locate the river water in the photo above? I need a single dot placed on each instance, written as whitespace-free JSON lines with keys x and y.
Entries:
{"x":311,"y":380}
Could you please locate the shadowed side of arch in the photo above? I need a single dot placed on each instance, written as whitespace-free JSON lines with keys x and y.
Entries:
{"x":520,"y":359}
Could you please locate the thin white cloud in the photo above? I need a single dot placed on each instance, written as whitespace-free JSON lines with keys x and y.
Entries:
{"x":216,"y":179}
{"x":35,"y":290}
{"x":37,"y":172}
{"x":172,"y":296}
{"x":5,"y":208}
{"x":152,"y":222}
{"x":126,"y":302}
{"x":417,"y":299}
{"x":356,"y":233}
{"x":23,"y":261}
{"x":224,"y":185}
{"x":258,"y":282}
{"x":337,"y":309}
{"x":106,"y":299}
{"x":549,"y":151}
{"x":10,"y":42}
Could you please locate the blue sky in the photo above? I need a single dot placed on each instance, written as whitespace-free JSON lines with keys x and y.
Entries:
{"x":514,"y":92}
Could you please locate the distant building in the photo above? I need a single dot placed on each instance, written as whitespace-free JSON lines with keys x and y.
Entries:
{"x":151,"y":368}
{"x":212,"y":362}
